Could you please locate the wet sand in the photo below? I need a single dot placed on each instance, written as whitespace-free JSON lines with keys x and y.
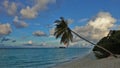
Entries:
{"x":89,"y":61}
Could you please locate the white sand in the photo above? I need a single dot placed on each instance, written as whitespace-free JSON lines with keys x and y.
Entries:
{"x":90,"y":62}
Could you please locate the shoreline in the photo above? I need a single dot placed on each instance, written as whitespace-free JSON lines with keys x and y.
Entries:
{"x":89,"y":61}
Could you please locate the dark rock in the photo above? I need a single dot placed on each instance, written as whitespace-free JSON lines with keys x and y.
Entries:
{"x":110,"y":42}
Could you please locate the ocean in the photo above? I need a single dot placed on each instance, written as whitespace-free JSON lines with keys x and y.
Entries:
{"x":38,"y":57}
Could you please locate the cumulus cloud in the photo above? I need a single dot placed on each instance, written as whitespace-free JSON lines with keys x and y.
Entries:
{"x":103,"y":21}
{"x":97,"y":27}
{"x":28,"y":12}
{"x":19,"y":23}
{"x":32,"y":12}
{"x":39,"y":33}
{"x":10,"y":7}
{"x":5,"y":29}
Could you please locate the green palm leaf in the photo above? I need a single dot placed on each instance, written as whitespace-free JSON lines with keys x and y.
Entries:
{"x":62,"y":30}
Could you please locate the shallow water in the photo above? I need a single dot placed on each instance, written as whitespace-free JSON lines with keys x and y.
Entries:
{"x":39,"y":57}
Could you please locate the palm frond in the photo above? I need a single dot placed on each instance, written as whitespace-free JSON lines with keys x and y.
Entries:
{"x":63,"y":31}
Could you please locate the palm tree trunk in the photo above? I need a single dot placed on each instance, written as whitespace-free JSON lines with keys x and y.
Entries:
{"x":94,"y":44}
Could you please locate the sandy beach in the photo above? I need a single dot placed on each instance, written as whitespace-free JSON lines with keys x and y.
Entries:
{"x":89,"y":61}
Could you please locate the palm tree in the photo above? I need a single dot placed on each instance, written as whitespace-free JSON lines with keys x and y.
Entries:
{"x":66,"y":34}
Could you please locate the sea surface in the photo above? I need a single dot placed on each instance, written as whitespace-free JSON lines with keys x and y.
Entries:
{"x":38,"y":57}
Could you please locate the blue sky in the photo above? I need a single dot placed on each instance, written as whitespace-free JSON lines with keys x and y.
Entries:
{"x":34,"y":19}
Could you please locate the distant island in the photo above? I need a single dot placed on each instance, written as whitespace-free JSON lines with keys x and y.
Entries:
{"x":62,"y":47}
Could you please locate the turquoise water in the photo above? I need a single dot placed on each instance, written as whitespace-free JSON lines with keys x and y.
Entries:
{"x":38,"y":58}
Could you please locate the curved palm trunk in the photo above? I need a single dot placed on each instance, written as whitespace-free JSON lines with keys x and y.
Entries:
{"x":94,"y":44}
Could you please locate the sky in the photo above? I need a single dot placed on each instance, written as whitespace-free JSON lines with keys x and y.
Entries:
{"x":23,"y":21}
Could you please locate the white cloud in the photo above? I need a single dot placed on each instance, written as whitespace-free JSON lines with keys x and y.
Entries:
{"x":70,"y":21}
{"x":83,"y":20}
{"x":10,"y":7}
{"x":6,"y":3}
{"x":19,"y":23}
{"x":39,"y":33}
{"x":97,"y":27}
{"x":52,"y":31}
{"x":5,"y":29}
{"x":28,"y":12}
{"x":103,"y":21}
{"x":32,"y":12}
